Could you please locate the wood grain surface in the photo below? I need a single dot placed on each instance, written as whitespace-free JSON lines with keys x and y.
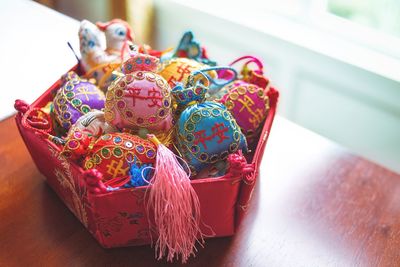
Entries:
{"x":315,"y":204}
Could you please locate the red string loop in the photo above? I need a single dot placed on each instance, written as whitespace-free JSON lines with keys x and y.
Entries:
{"x":34,"y":118}
{"x":252,"y":60}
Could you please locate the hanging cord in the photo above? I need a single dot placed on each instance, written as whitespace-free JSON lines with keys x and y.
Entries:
{"x":252,"y":60}
{"x":245,"y":68}
{"x":193,"y":82}
{"x":220,"y":71}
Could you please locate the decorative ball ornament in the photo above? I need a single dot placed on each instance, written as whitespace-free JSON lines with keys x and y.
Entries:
{"x":247,"y":98}
{"x":140,"y":98}
{"x":75,"y":98}
{"x":178,"y":70}
{"x":248,"y":104}
{"x":206,"y":132}
{"x":113,"y":154}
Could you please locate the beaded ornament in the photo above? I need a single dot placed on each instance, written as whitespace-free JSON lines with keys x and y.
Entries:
{"x":139,"y":98}
{"x":178,"y":70}
{"x":247,"y":98}
{"x":75,"y":145}
{"x":76,"y":97}
{"x":206,"y":132}
{"x":113,"y":154}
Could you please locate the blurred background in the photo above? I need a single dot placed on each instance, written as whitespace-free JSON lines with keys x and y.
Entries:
{"x":381,"y":15}
{"x":336,"y":62}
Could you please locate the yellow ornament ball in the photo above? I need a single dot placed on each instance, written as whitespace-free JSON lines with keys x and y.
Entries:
{"x":178,"y":70}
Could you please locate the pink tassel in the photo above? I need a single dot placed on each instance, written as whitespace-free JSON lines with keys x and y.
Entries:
{"x":176,"y":207}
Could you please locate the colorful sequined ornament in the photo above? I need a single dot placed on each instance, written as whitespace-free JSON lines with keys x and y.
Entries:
{"x":113,"y":155}
{"x":177,"y":70}
{"x":99,"y":60}
{"x":80,"y":136}
{"x":75,"y":145}
{"x":190,"y":48}
{"x":247,"y":98}
{"x":139,"y":98}
{"x":76,"y":97}
{"x":206,"y":131}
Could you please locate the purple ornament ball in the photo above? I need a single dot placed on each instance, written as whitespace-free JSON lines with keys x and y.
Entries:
{"x":76,"y":97}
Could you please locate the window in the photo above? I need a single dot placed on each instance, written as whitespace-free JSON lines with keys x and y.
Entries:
{"x":374,"y":24}
{"x":383,"y":15}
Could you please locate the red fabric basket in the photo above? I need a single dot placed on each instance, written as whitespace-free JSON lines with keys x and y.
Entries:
{"x":118,"y":218}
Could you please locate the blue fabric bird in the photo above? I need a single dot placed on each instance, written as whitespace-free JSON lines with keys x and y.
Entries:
{"x":190,"y":48}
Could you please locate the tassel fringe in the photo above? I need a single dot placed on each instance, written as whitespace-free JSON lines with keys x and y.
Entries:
{"x":176,"y":208}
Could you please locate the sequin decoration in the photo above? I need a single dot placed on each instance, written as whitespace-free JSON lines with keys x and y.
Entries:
{"x":114,"y":154}
{"x":75,"y":98}
{"x":141,"y":99}
{"x":206,"y":132}
{"x":177,"y":70}
{"x":141,"y":62}
{"x":248,"y":104}
{"x":76,"y":144}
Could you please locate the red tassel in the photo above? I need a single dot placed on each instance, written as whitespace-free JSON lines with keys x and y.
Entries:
{"x":176,"y":207}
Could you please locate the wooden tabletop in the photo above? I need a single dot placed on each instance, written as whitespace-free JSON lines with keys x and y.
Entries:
{"x":315,"y":204}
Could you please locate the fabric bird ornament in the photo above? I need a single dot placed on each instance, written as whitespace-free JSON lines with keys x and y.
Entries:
{"x":103,"y":48}
{"x":189,"y":47}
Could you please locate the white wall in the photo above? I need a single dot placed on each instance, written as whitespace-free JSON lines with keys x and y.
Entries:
{"x":92,"y":10}
{"x":344,"y":102}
